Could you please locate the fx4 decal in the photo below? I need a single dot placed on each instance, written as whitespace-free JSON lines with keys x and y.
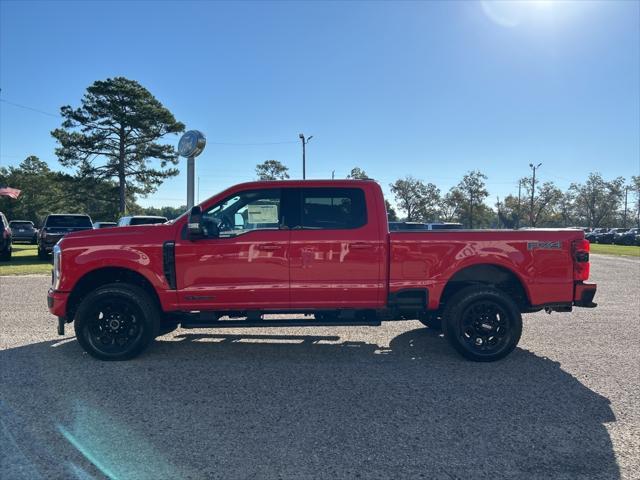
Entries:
{"x":544,"y":245}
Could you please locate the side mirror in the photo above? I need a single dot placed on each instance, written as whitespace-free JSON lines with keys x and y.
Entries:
{"x":194,"y":224}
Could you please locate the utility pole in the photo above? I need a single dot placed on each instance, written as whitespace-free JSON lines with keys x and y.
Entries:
{"x":333,"y":174}
{"x":533,"y":191}
{"x":519,"y":203}
{"x":498,"y":205}
{"x":626,"y":194}
{"x":304,"y":160}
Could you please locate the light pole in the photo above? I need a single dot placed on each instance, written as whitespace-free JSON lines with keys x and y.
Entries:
{"x":304,"y":151}
{"x":533,"y":190}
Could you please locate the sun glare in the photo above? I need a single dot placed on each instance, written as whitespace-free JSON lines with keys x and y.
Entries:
{"x":511,"y":13}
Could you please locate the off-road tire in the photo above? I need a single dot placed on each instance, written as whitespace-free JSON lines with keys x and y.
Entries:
{"x":138,"y":312}
{"x":479,"y":315}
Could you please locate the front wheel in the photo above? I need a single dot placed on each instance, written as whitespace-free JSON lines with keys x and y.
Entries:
{"x":117,"y":322}
{"x":482,"y":323}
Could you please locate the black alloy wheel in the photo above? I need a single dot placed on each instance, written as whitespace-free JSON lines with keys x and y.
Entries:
{"x":482,"y":323}
{"x":117,"y":322}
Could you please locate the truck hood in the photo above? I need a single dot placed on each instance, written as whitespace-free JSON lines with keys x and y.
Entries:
{"x":135,"y":235}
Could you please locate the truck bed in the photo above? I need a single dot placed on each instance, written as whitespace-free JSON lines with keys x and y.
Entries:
{"x":540,"y":259}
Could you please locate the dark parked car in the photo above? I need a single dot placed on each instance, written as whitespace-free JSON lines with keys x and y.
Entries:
{"x":141,"y":220}
{"x":23,"y":231}
{"x":5,"y":238}
{"x":607,"y":237}
{"x":56,"y":226}
{"x":626,"y":238}
{"x":98,"y":225}
{"x":593,"y":234}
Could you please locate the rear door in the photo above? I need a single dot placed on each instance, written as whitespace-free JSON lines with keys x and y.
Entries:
{"x":336,"y":250}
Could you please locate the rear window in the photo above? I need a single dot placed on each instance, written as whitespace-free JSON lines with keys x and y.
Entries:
{"x":20,"y":224}
{"x":333,"y":208}
{"x":69,"y":221}
{"x":146,"y":221}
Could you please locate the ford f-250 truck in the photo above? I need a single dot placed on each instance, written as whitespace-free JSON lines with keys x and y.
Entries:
{"x":321,"y":249}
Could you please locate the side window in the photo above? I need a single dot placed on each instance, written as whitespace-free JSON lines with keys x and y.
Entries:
{"x":245,"y":211}
{"x":333,"y":208}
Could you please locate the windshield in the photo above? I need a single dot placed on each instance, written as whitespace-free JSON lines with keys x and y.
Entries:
{"x":69,"y":221}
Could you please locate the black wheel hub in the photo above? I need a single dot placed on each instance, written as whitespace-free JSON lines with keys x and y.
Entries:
{"x":485,"y":327}
{"x":114,"y":327}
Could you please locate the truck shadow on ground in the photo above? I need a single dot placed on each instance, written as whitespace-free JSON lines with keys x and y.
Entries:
{"x":288,"y":406}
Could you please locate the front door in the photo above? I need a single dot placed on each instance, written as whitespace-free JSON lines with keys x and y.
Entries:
{"x":246,"y":266}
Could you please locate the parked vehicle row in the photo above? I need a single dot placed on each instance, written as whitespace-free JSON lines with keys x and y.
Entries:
{"x":617,"y":236}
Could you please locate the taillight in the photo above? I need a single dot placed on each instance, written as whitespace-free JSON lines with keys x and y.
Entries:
{"x":581,"y":259}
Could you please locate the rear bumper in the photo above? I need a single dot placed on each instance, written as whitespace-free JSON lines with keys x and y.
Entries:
{"x":583,"y":295}
{"x":57,"y":303}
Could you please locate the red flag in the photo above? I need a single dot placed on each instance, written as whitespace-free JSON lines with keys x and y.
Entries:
{"x":9,"y":192}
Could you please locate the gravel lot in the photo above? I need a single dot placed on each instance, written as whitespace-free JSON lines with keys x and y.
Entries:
{"x":387,"y":402}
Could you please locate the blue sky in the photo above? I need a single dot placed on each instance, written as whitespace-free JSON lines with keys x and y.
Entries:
{"x":428,"y":89}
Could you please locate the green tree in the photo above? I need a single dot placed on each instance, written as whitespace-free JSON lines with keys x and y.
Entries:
{"x":272,"y":170}
{"x":392,"y":216}
{"x":546,"y":198}
{"x":451,"y":206}
{"x":635,"y":188}
{"x":417,"y":199}
{"x":358,"y":174}
{"x":472,"y":192}
{"x":597,"y":200}
{"x":509,"y":211}
{"x":115,"y":134}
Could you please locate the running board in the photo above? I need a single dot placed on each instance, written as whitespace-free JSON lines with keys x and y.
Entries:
{"x":296,"y":322}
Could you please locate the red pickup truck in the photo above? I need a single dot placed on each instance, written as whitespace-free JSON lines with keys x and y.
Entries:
{"x":320,"y":249}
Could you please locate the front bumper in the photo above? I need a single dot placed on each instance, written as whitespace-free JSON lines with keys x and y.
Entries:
{"x":583,"y":295}
{"x":57,"y":302}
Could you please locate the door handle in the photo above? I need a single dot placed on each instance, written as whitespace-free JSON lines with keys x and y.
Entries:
{"x":269,"y":246}
{"x":360,"y":245}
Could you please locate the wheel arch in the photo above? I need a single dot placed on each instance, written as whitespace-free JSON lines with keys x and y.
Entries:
{"x":498,"y":276}
{"x":102,"y":276}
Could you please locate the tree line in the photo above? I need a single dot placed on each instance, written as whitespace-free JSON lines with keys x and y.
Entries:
{"x":115,"y":144}
{"x":45,"y":191}
{"x":597,"y":202}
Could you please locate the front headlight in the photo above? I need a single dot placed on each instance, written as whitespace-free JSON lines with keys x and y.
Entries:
{"x":57,"y":264}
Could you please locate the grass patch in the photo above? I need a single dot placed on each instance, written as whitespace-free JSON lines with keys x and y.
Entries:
{"x":619,"y":250}
{"x":25,"y":261}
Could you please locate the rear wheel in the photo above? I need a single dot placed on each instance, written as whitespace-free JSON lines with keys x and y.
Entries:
{"x":482,"y":323}
{"x":117,"y":322}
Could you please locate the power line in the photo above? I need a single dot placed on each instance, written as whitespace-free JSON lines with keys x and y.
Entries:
{"x":250,"y":144}
{"x":55,"y":115}
{"x":235,"y":144}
